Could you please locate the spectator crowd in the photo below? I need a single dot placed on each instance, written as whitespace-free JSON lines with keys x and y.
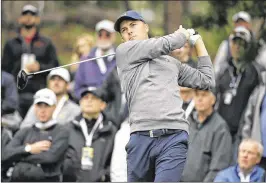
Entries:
{"x":72,"y":124}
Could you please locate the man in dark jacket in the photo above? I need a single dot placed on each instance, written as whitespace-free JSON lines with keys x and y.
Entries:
{"x":37,"y":152}
{"x":238,"y":81}
{"x":209,"y":142}
{"x":29,"y":51}
{"x":91,"y":140}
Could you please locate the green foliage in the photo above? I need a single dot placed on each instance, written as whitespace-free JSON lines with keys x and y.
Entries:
{"x":218,"y":21}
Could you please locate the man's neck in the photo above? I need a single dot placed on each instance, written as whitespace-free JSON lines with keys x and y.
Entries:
{"x":28,"y":32}
{"x":202,"y":115}
{"x":91,"y":116}
{"x":246,"y":171}
{"x":184,"y":59}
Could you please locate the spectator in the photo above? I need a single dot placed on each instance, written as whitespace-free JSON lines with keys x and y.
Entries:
{"x":224,"y":53}
{"x":9,"y":103}
{"x":209,"y":142}
{"x":30,"y":51}
{"x":115,"y":109}
{"x":249,"y":155}
{"x":241,"y":76}
{"x":81,"y":50}
{"x":37,"y":151}
{"x":255,"y":117}
{"x":66,"y":110}
{"x":6,"y":137}
{"x":184,"y":55}
{"x":95,"y":72}
{"x":119,"y":157}
{"x":187,"y":96}
{"x":91,"y":140}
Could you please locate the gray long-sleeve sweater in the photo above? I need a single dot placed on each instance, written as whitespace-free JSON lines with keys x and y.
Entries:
{"x":151,"y":79}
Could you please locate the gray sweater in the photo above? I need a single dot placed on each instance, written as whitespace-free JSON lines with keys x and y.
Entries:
{"x":151,"y":79}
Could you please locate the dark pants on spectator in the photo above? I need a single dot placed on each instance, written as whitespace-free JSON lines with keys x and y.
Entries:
{"x":159,"y":159}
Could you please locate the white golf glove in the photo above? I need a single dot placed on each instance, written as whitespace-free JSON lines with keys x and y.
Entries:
{"x":193,"y":38}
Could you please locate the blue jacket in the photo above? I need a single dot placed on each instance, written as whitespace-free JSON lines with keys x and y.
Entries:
{"x":231,"y":175}
{"x":89,"y":74}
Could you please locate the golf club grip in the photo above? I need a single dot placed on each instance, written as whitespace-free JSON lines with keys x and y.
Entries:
{"x":78,"y":62}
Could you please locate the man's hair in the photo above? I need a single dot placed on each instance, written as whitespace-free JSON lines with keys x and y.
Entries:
{"x":258,"y":144}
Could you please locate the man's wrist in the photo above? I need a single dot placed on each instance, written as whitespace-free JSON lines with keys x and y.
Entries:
{"x":28,"y":148}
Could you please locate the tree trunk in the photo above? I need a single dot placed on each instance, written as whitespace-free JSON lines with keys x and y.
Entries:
{"x":173,"y":15}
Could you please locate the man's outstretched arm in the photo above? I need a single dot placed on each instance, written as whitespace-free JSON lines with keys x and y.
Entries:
{"x":133,"y":53}
{"x":202,"y":77}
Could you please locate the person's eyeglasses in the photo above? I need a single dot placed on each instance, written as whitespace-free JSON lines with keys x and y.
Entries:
{"x":29,"y":12}
{"x":106,"y":34}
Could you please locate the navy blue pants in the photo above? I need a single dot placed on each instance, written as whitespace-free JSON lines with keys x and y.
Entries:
{"x":156,"y":159}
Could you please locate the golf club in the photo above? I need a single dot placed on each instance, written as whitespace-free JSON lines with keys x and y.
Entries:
{"x":23,"y":77}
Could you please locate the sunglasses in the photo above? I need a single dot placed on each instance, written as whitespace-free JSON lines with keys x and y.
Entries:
{"x":29,"y":12}
{"x":104,"y":33}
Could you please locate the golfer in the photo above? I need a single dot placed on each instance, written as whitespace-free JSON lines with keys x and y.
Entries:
{"x":151,"y":80}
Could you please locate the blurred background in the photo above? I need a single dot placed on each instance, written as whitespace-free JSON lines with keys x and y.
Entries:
{"x":63,"y":21}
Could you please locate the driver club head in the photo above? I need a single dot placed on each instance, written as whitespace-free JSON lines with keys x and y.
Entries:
{"x":22,"y":79}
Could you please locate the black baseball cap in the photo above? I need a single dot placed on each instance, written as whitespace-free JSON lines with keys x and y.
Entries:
{"x":129,"y":15}
{"x":99,"y":92}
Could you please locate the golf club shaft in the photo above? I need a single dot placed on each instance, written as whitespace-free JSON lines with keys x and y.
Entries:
{"x":71,"y":64}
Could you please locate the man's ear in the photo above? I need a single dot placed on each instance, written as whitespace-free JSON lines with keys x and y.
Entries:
{"x":103,"y":105}
{"x":147,"y":28}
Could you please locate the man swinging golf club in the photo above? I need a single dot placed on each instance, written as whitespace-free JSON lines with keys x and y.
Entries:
{"x":151,"y":78}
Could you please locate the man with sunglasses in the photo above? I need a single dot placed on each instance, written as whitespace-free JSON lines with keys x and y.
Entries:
{"x":240,"y":77}
{"x":29,"y":51}
{"x":95,"y":73}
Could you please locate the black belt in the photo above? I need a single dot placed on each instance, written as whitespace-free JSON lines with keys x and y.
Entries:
{"x":159,"y":132}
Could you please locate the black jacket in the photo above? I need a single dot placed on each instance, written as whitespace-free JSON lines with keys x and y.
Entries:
{"x":45,"y":53}
{"x":32,"y":167}
{"x":249,"y":80}
{"x":103,"y":142}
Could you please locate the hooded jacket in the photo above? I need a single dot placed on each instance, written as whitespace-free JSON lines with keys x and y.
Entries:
{"x":102,"y":143}
{"x":34,"y":167}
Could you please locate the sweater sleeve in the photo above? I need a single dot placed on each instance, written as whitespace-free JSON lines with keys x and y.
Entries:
{"x":133,"y":53}
{"x":201,"y":78}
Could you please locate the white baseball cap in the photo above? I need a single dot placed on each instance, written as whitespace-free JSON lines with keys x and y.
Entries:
{"x":46,"y":96}
{"x":105,"y":25}
{"x":241,"y":32}
{"x":63,"y":73}
{"x":242,"y":15}
{"x":29,"y":8}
